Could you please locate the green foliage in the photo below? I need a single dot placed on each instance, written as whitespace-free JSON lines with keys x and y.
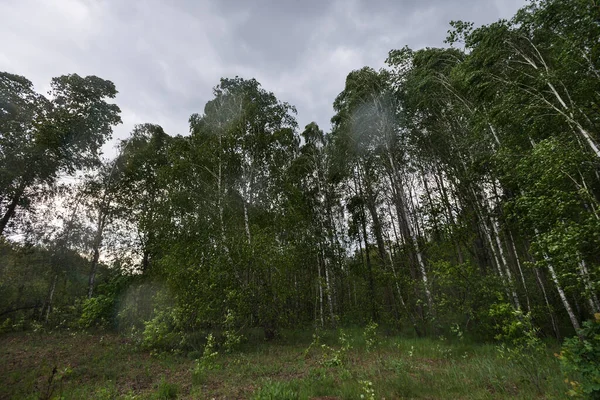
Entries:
{"x":160,"y":332}
{"x":314,"y":344}
{"x":207,"y":362}
{"x":275,"y":390}
{"x":521,"y":344}
{"x":166,"y":390}
{"x":44,"y":137}
{"x":370,"y":335}
{"x":232,"y":338}
{"x":455,"y":329}
{"x":457,"y":187}
{"x":335,"y":357}
{"x":106,"y":365}
{"x":580,"y":358}
{"x":367,"y":389}
{"x":97,"y":311}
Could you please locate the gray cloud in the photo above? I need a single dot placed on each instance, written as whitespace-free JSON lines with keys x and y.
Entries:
{"x":165,"y":57}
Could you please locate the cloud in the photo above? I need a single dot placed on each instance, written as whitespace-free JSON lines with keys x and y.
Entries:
{"x":165,"y":57}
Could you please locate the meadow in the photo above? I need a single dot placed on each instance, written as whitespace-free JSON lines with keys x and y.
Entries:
{"x":298,"y":365}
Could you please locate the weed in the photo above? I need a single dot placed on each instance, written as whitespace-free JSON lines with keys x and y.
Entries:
{"x":368,"y":391}
{"x":166,"y":390}
{"x":580,"y":358}
{"x":207,"y":361}
{"x":275,"y":390}
{"x":335,"y":357}
{"x":370,"y":335}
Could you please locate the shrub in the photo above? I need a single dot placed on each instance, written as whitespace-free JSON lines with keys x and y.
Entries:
{"x":580,"y":360}
{"x":166,"y":390}
{"x":96,"y":311}
{"x":335,"y":357}
{"x":207,"y":361}
{"x":370,"y":335}
{"x":521,"y":345}
{"x":160,"y":332}
{"x":232,"y":338}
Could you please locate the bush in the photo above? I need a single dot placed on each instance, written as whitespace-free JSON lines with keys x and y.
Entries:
{"x":96,"y":311}
{"x":207,"y":362}
{"x":335,"y":357}
{"x":370,"y":335}
{"x":580,"y":360}
{"x":160,"y":332}
{"x":166,"y":390}
{"x":521,"y":345}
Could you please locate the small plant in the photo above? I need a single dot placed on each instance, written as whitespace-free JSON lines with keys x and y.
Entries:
{"x":207,"y":361}
{"x":232,"y":338}
{"x":455,"y":329}
{"x":521,"y":345}
{"x":315,"y":342}
{"x":444,"y":352}
{"x":107,"y":392}
{"x":335,"y":357}
{"x":345,"y":374}
{"x":368,"y":391}
{"x":580,"y":358}
{"x":370,"y":335}
{"x":273,"y":390}
{"x":55,"y":380}
{"x":166,"y":390}
{"x":317,"y":374}
{"x":160,"y":331}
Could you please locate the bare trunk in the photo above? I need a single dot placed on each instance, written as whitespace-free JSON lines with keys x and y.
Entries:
{"x":320,"y":284}
{"x":518,"y":262}
{"x":93,"y":270}
{"x":246,"y":223}
{"x":503,"y":258}
{"x":421,"y":262}
{"x":10,"y":210}
{"x":329,"y":290}
{"x":592,"y":298}
{"x":50,"y":297}
{"x":406,"y":231}
{"x":446,"y":200}
{"x":96,"y":252}
{"x":550,"y":310}
{"x":363,"y":223}
{"x":561,"y":293}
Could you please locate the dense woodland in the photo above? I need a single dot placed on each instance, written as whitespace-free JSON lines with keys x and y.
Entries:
{"x":457,"y":189}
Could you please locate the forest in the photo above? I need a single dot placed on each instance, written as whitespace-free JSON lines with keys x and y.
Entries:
{"x":454,"y":201}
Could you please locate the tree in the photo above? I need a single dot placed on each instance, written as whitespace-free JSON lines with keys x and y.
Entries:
{"x":42,"y":138}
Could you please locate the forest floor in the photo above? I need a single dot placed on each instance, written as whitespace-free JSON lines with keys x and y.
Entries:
{"x":107,"y":366}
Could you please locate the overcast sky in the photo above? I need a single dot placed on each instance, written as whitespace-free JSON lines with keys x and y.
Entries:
{"x":166,"y":55}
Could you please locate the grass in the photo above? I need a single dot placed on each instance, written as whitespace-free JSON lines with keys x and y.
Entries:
{"x":106,"y":366}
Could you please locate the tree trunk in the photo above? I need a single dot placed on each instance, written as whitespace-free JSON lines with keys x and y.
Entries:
{"x":562,"y":295}
{"x":12,"y":206}
{"x":320,"y":285}
{"x":96,"y":252}
{"x":550,"y":310}
{"x":510,"y":281}
{"x":329,"y":290}
{"x":50,"y":297}
{"x":518,"y":262}
{"x":590,"y":293}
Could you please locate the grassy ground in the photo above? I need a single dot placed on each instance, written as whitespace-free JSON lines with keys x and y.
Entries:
{"x":107,"y":366}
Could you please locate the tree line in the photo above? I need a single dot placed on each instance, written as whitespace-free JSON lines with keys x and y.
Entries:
{"x":456,"y":188}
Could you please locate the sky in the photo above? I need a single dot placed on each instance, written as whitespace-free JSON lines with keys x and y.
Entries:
{"x":165,"y":56}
